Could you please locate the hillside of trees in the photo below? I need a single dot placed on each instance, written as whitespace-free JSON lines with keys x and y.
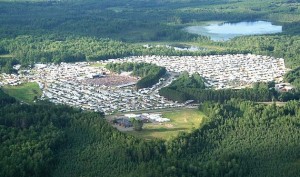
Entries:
{"x":241,"y":138}
{"x":238,"y":138}
{"x":30,"y":136}
{"x":149,"y":73}
{"x":37,"y":139}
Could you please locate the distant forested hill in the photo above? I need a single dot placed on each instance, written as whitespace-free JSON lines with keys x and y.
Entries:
{"x":137,"y":20}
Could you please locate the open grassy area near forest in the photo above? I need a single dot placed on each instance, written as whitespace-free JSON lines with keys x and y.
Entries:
{"x":181,"y":121}
{"x":27,"y":92}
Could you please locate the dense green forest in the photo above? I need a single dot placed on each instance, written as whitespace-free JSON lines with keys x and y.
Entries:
{"x":37,"y":139}
{"x":136,"y":20}
{"x":30,"y":135}
{"x":238,"y":138}
{"x":31,"y":49}
{"x":242,"y":138}
{"x":193,"y":88}
{"x":149,"y":73}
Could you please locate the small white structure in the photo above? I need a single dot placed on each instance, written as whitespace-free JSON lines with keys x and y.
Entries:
{"x":132,"y":115}
{"x":283,"y":87}
{"x":158,"y":118}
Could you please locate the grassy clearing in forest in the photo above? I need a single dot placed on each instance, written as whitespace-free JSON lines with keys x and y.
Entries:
{"x":181,"y":121}
{"x":26,"y":92}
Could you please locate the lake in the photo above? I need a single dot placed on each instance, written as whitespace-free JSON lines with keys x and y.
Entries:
{"x":226,"y":31}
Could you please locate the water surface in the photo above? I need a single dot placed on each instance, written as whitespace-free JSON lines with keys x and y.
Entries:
{"x":226,"y":31}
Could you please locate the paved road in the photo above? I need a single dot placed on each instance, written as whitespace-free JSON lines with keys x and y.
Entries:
{"x":169,"y":77}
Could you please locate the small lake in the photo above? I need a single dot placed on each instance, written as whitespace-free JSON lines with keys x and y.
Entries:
{"x":226,"y":31}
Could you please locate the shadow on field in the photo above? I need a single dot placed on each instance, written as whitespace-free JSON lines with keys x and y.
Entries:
{"x":162,"y":130}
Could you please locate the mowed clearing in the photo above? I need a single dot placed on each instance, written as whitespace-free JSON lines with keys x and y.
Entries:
{"x":26,"y":92}
{"x":182,"y":120}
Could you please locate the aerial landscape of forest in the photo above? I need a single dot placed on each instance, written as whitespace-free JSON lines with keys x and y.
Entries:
{"x":149,"y":88}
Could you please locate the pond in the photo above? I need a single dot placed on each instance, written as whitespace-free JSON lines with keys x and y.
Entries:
{"x":226,"y":31}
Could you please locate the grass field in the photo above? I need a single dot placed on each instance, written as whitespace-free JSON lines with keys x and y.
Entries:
{"x":181,"y":121}
{"x":25,"y":92}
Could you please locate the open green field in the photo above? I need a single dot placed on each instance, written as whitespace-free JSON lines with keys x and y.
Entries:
{"x":27,"y":92}
{"x":181,"y":121}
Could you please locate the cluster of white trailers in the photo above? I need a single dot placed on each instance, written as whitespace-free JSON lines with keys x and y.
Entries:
{"x":63,"y":83}
{"x":220,"y":71}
